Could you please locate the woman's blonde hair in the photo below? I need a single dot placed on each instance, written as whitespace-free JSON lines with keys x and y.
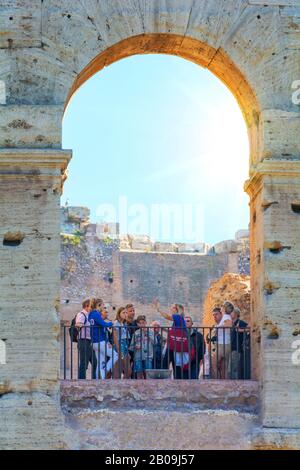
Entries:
{"x":180,"y":309}
{"x":96,"y":301}
{"x":118,"y":316}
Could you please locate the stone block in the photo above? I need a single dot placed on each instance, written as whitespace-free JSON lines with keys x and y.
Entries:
{"x":20,"y":24}
{"x":227,"y":246}
{"x":91,"y":230}
{"x":78,"y":214}
{"x":159,"y":393}
{"x":165,"y":247}
{"x":141,"y":242}
{"x":108,"y":230}
{"x":30,"y":126}
{"x":46,"y":430}
{"x":240,"y":234}
{"x":192,"y":248}
{"x":124,"y":242}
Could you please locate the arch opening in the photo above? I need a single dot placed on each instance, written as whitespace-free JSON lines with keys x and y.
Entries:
{"x":92,"y":71}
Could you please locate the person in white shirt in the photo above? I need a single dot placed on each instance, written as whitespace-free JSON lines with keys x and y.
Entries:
{"x":85,"y":348}
{"x":222,"y":350}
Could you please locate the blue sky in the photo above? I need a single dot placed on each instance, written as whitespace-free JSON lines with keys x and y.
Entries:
{"x":157,"y":129}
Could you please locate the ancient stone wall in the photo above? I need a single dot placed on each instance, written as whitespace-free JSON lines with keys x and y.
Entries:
{"x":47,"y":50}
{"x":92,"y":264}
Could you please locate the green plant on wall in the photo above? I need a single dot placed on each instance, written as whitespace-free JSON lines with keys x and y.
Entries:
{"x":72,"y":239}
{"x":107,"y":241}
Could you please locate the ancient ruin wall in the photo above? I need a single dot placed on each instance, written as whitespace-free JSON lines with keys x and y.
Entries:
{"x":47,"y":49}
{"x":92,"y":264}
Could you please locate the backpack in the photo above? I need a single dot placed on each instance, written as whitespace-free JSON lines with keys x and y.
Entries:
{"x":180,"y":342}
{"x":73,"y":330}
{"x":178,"y":339}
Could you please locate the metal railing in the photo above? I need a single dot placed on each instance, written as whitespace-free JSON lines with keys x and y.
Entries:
{"x":155,"y":352}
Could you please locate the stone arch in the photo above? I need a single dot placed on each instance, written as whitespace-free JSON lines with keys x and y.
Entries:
{"x":217,"y":61}
{"x":46,"y":49}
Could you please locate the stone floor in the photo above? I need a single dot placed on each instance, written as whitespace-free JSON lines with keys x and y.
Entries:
{"x":196,"y":395}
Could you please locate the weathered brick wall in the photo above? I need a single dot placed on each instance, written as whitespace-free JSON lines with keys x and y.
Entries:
{"x":171,"y":277}
{"x":85,"y":272}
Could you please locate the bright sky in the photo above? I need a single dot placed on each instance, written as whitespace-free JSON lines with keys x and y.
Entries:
{"x":157,"y":129}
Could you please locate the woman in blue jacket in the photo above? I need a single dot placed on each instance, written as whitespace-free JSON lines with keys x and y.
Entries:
{"x":106,"y":355}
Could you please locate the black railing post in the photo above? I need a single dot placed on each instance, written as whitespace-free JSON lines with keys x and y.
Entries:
{"x":98,"y":372}
{"x":224,"y":353}
{"x":231,"y":352}
{"x":155,"y":347}
{"x":211,"y":372}
{"x":71,"y":358}
{"x":189,"y":334}
{"x":203,"y":354}
{"x":119,"y":336}
{"x":105,"y":355}
{"x":91,"y":355}
{"x":78,"y":356}
{"x":110,"y":339}
{"x":148,"y":350}
{"x":168,"y":350}
{"x":244,"y":355}
{"x":65,"y":353}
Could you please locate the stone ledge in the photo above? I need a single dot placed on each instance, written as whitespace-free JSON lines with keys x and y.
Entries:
{"x":276,"y":439}
{"x":160,"y":429}
{"x":155,"y":394}
{"x":273,"y":168}
{"x":50,"y":158}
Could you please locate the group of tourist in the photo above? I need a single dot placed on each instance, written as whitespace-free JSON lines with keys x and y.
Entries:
{"x":127,"y":347}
